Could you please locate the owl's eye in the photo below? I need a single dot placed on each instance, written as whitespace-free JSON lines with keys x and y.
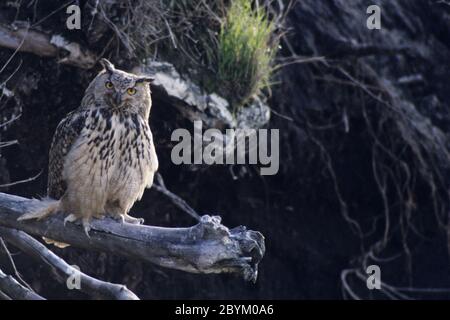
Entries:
{"x":131,"y":91}
{"x":109,"y":85}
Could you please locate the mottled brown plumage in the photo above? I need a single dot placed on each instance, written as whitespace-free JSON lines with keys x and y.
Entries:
{"x":66,"y":133}
{"x":102,"y":156}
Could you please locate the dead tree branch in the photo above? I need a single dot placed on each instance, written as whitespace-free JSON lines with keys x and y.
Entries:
{"x":63,"y":270}
{"x":9,"y":287}
{"x":207,"y":247}
{"x":13,"y":265}
{"x":24,"y":39}
{"x":4,"y":296}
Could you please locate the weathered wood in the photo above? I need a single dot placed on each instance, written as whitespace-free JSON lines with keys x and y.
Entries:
{"x":24,"y":39}
{"x":10,"y":288}
{"x":208,"y":247}
{"x":62,"y":270}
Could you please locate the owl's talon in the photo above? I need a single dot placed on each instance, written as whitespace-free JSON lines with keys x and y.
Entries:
{"x":86,"y":227}
{"x":117,"y":218}
{"x":132,"y":220}
{"x":70,"y":218}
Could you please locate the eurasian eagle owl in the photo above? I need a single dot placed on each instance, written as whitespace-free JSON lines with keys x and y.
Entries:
{"x":102,"y":156}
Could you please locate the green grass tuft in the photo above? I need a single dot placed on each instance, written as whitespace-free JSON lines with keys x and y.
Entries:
{"x":246,"y":49}
{"x":226,"y":46}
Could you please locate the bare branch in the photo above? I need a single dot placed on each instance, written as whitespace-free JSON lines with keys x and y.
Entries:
{"x":9,"y":287}
{"x":176,"y":200}
{"x":24,"y":39}
{"x":13,"y":265}
{"x":8,"y":143}
{"x":14,"y":118}
{"x":4,"y":296}
{"x":208,"y":247}
{"x":20,"y":181}
{"x":88,"y":284}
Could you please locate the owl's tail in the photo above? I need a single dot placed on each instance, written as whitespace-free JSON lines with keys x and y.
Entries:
{"x":42,"y":209}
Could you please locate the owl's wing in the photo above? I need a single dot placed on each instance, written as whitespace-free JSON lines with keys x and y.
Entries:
{"x":67,"y":132}
{"x":153,"y":156}
{"x":152,"y":164}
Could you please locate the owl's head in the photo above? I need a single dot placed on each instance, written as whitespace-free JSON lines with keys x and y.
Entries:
{"x":119,"y":89}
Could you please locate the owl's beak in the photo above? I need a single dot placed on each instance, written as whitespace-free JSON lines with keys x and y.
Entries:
{"x":117,"y":98}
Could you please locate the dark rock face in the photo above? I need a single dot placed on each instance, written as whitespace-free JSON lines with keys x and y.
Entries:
{"x":363,"y":161}
{"x":366,"y":121}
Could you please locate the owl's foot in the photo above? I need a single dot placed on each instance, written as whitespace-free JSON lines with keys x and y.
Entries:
{"x":70,"y":218}
{"x":85,"y":222}
{"x":86,"y":226}
{"x":125,"y":218}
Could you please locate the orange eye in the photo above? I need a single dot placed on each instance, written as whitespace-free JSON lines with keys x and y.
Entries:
{"x":109,"y":85}
{"x":131,"y":91}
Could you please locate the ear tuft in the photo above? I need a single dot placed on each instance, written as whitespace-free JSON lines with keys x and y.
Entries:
{"x":145,"y":79}
{"x":107,"y":65}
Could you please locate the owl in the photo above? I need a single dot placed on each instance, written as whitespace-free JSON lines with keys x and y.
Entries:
{"x":102,"y":156}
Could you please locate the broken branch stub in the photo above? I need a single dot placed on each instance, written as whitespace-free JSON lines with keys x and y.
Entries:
{"x":207,"y":247}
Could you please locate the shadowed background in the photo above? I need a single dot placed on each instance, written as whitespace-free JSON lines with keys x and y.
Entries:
{"x":363,"y":118}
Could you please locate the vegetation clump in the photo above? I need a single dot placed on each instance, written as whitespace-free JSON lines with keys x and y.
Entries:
{"x":227,"y":47}
{"x":245,"y":52}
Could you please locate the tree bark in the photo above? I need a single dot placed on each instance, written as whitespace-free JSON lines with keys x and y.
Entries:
{"x":9,"y":287}
{"x":207,"y":247}
{"x":24,"y":39}
{"x":63,"y":270}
